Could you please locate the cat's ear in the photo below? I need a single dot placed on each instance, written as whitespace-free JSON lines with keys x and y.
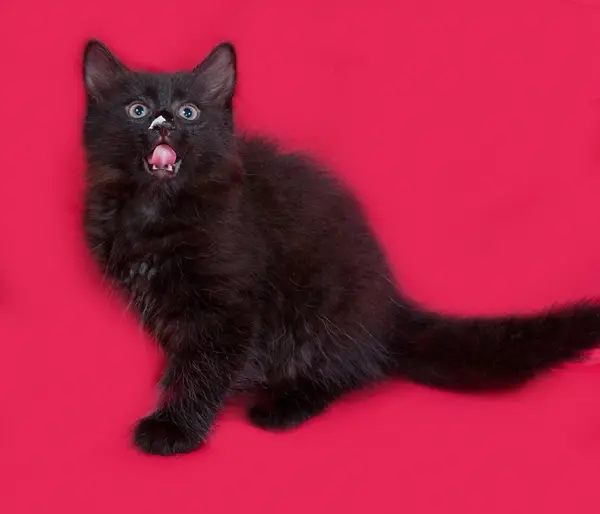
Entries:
{"x":101,"y":69}
{"x":217,"y":74}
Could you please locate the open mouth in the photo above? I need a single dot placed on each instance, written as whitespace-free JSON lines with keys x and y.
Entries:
{"x":163,"y":162}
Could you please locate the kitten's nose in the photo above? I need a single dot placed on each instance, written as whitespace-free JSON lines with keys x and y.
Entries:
{"x":163,"y":123}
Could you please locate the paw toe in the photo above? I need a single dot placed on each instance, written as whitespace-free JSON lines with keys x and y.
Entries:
{"x":162,"y":436}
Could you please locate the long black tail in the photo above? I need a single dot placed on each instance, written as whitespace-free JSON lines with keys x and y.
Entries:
{"x":491,"y":353}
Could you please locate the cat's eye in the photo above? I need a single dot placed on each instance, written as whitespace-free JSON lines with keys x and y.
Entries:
{"x":188,"y":112}
{"x":138,"y":110}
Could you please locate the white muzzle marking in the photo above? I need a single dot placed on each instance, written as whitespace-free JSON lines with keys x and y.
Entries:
{"x":157,"y":122}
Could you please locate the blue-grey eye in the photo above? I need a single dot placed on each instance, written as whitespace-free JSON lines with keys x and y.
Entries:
{"x":137,"y":110}
{"x":188,"y":112}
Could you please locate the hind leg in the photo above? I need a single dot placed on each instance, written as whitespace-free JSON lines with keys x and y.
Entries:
{"x":286,"y":407}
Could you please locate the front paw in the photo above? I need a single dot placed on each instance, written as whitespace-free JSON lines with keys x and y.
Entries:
{"x":160,"y":435}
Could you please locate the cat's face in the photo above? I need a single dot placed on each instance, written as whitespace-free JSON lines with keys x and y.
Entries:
{"x":158,"y":126}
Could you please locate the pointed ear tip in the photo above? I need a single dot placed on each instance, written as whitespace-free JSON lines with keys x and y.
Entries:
{"x":93,"y":45}
{"x":229,"y":47}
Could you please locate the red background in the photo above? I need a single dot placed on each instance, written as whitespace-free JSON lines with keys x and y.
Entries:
{"x":471,"y":130}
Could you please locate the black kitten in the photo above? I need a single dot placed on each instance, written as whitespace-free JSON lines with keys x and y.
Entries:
{"x":256,"y":271}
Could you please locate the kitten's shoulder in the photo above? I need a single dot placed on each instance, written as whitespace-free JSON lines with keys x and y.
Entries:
{"x":293,"y":184}
{"x":265,"y":160}
{"x":260,"y":154}
{"x":255,"y":149}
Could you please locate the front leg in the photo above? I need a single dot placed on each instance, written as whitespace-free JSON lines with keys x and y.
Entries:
{"x":198,"y":377}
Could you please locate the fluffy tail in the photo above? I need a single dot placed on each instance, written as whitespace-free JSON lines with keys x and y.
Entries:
{"x":491,"y":353}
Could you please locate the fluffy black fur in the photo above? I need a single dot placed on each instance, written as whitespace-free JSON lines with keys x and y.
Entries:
{"x":256,"y":271}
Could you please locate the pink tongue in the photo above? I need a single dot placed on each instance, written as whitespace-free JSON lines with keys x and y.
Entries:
{"x":162,"y":156}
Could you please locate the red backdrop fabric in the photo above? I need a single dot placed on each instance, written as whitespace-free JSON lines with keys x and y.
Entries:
{"x":470,"y":130}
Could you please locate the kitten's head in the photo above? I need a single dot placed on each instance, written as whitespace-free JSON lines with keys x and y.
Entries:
{"x":158,"y":126}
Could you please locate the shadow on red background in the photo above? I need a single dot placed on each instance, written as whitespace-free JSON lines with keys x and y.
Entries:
{"x":470,"y":129}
